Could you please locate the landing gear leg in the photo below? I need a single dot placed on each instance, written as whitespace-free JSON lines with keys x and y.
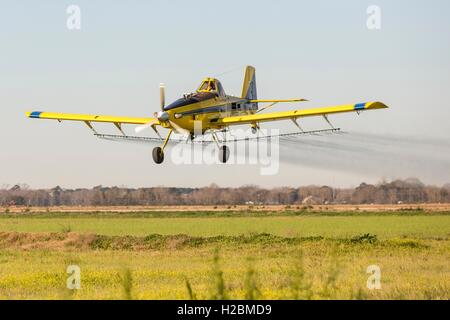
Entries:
{"x":158,"y":152}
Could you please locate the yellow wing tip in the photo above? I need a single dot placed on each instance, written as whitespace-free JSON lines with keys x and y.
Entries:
{"x":376,"y":105}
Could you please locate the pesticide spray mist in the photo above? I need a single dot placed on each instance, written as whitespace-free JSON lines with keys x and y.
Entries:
{"x":372,"y":155}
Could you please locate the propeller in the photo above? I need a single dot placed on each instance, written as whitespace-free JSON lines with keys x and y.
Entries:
{"x":162,"y":115}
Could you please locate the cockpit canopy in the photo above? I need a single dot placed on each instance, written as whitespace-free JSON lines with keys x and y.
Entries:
{"x":209,"y":89}
{"x":211,"y":85}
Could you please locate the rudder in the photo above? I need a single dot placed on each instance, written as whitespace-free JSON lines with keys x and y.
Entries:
{"x":249,"y":86}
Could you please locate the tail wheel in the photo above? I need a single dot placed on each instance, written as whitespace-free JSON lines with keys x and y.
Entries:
{"x":158,"y":155}
{"x":224,"y":154}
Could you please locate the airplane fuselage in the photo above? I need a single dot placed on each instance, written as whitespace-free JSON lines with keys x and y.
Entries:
{"x":206,"y":108}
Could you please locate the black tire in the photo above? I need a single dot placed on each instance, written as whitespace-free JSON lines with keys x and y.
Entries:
{"x":158,"y":155}
{"x":224,"y":154}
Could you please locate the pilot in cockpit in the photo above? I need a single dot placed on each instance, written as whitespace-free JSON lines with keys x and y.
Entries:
{"x":212,"y":86}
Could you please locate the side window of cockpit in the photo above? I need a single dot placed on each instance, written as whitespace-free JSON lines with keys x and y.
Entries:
{"x":220,"y":89}
{"x":236,"y":106}
{"x":204,"y":86}
{"x":212,"y":86}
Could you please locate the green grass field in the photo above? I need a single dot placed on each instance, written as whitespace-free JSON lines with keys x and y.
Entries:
{"x":307,"y":256}
{"x":419,"y":226}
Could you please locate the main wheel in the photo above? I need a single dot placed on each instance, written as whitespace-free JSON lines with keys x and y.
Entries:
{"x":224,"y":154}
{"x":158,"y":155}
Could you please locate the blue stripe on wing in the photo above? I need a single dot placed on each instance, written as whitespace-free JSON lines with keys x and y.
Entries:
{"x":360,"y":106}
{"x":35,"y":114}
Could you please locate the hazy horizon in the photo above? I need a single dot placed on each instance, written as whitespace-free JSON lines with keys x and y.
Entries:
{"x":410,"y":179}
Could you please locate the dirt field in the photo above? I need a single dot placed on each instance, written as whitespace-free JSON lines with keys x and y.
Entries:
{"x":435,"y":207}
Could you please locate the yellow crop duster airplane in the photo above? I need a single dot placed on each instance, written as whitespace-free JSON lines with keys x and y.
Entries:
{"x":210,"y":109}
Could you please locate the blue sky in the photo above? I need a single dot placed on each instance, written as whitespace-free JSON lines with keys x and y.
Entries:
{"x":319,"y":50}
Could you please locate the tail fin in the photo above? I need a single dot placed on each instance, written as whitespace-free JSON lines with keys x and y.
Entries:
{"x":249,"y":86}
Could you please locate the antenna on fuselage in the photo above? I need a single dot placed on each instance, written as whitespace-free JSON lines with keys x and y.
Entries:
{"x":228,"y":71}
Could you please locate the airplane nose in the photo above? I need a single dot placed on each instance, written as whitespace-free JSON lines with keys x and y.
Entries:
{"x":163,"y":116}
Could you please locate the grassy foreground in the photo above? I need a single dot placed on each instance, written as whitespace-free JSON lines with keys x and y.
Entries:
{"x":273,"y":257}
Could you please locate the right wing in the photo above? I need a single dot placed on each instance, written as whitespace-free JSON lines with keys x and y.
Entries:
{"x":294,"y":114}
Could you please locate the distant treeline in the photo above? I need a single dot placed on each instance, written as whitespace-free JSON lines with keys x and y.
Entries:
{"x":398,"y":191}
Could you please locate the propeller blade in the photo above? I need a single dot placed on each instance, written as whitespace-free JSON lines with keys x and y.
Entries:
{"x":162,"y":95}
{"x":145,"y":126}
{"x":179,"y":129}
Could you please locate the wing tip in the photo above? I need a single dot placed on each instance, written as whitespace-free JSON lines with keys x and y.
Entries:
{"x":377,"y":105}
{"x":33,"y":114}
{"x":370,"y":105}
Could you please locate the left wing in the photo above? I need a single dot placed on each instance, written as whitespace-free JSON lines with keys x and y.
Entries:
{"x":89,"y":118}
{"x":283,"y":115}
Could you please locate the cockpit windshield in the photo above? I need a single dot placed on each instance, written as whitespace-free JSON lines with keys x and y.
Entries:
{"x":204,"y":86}
{"x":211,"y":85}
{"x":209,"y":89}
